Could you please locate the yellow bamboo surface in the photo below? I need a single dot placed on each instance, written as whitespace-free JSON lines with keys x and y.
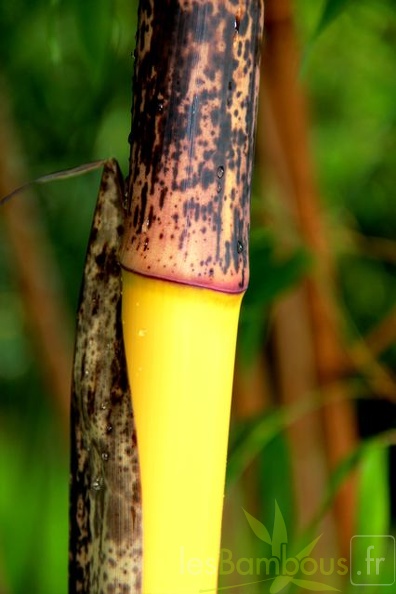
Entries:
{"x":180,"y":345}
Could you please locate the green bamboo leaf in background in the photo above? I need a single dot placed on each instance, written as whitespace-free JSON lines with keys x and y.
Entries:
{"x":331,"y":10}
{"x":275,"y":462}
{"x":373,"y":510}
{"x":374,"y":501}
{"x":95,"y":40}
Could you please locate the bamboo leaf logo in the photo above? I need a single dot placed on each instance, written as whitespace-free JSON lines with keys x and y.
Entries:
{"x":279,"y":534}
{"x":284,"y":580}
{"x":314,"y":586}
{"x":308,"y":549}
{"x":279,"y":583}
{"x":278,"y":544}
{"x":258,"y":528}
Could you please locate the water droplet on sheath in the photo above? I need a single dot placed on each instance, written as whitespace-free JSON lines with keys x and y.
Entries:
{"x":220,"y":172}
{"x":109,"y":428}
{"x":219,"y":186}
{"x":142,"y":332}
{"x":239,"y":247}
{"x":125,"y":201}
{"x":97,"y":484}
{"x":105,"y":456}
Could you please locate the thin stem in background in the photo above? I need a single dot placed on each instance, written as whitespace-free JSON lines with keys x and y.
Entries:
{"x":36,"y":272}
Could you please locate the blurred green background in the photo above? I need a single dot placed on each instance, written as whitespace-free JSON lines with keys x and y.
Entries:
{"x":66,"y":74}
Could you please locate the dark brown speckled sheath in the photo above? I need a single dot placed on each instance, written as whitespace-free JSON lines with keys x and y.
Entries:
{"x":105,"y":507}
{"x":192,"y":141}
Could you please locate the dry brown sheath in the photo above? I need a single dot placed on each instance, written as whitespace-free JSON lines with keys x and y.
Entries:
{"x":105,"y":508}
{"x":192,"y":141}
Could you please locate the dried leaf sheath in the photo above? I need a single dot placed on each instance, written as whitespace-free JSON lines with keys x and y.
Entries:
{"x":105,"y":509}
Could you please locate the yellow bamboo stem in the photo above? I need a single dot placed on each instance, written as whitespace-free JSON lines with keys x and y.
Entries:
{"x":180,"y":345}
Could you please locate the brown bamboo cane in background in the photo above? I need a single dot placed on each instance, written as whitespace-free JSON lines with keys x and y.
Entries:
{"x":288,"y":108}
{"x":291,"y":340}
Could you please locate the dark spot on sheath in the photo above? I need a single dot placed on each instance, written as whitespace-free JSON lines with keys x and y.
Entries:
{"x":101,"y":258}
{"x":135,"y":216}
{"x":215,"y":116}
{"x":95,"y":304}
{"x":162,"y":197}
{"x":94,"y":235}
{"x":227,"y":256}
{"x":143,"y":202}
{"x":207,"y":178}
{"x":242,"y":282}
{"x":151,"y":217}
